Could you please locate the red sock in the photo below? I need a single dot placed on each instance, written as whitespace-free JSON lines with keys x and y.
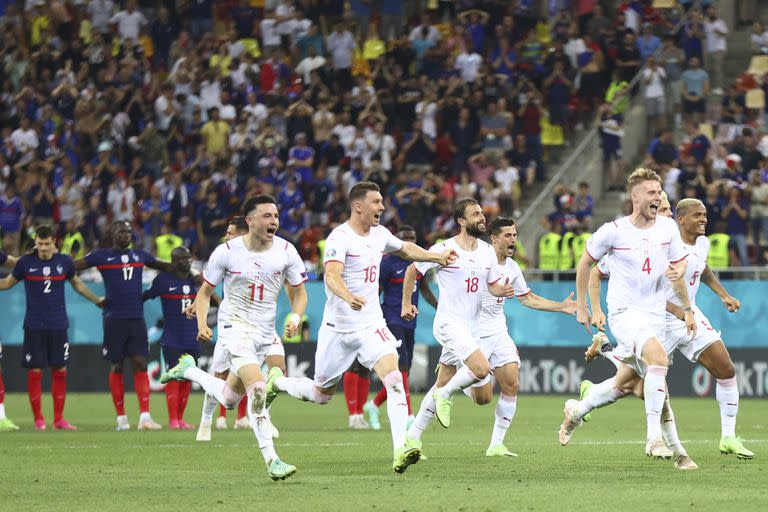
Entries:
{"x":35,"y":390}
{"x":407,"y":391}
{"x":2,"y":389}
{"x":172,"y":400}
{"x":380,"y":397}
{"x":184,"y":388}
{"x":117,"y":387}
{"x":59,"y":392}
{"x":141,"y":385}
{"x":363,"y":387}
{"x":241,"y":407}
{"x":350,"y":391}
{"x":222,"y":411}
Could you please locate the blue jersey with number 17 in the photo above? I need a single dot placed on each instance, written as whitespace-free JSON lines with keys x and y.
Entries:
{"x":122,"y":272}
{"x":175,"y":294}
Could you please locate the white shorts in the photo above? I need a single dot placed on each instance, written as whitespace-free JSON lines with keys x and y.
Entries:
{"x":499,"y":349}
{"x":632,"y":329}
{"x":677,"y":336}
{"x":456,"y":340}
{"x":336,"y":351}
{"x":239,"y":346}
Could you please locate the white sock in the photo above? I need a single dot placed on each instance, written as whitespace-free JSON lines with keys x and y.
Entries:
{"x":397,"y":408}
{"x":654,"y":391}
{"x":302,"y":388}
{"x":2,"y":411}
{"x":463,"y":378}
{"x":599,"y":395}
{"x":144,"y":417}
{"x":214,"y":386}
{"x":425,"y":415}
{"x":259,"y":422}
{"x":209,"y":406}
{"x":727,"y":394}
{"x":609,"y":357}
{"x":669,"y":429}
{"x":505,"y":411}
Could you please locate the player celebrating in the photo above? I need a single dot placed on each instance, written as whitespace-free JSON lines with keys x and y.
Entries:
{"x":253,"y":268}
{"x":45,"y":322}
{"x":495,"y":343}
{"x":125,"y":333}
{"x":353,"y":325}
{"x":706,"y":348}
{"x":177,"y":291}
{"x":458,"y":311}
{"x":642,"y":247}
{"x":220,"y":367}
{"x":5,"y":423}
{"x":391,"y":283}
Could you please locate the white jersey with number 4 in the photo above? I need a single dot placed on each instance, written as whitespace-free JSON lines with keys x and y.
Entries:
{"x":463,"y":283}
{"x":253,"y":280}
{"x":492,"y":318}
{"x":638,"y":261}
{"x":361,"y":257}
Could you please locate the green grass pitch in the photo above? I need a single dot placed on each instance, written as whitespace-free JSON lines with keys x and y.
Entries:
{"x":604,"y":468}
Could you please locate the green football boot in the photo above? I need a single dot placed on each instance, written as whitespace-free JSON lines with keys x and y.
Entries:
{"x":583,"y":390}
{"x":279,"y":470}
{"x":735,"y":445}
{"x":177,"y":372}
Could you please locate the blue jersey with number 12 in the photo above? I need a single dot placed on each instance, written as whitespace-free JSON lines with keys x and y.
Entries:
{"x":175,"y":295}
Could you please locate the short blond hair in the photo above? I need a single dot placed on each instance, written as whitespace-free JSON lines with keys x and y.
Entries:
{"x":686,"y":204}
{"x":640,"y":175}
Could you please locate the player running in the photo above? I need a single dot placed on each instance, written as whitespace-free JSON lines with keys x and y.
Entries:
{"x":706,"y":348}
{"x":391,"y":283}
{"x":495,"y":343}
{"x":125,"y":332}
{"x":642,"y":247}
{"x":253,"y":268}
{"x":220,"y":367}
{"x":177,"y":290}
{"x":5,"y":423}
{"x":461,"y":285}
{"x":46,"y":345}
{"x":353,"y":325}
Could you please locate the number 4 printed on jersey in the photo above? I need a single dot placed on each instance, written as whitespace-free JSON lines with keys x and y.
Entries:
{"x":647,"y":266}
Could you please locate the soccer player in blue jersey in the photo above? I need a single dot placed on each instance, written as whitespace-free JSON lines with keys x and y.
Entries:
{"x":45,"y":324}
{"x":5,"y":423}
{"x":391,"y":284}
{"x":125,"y":333}
{"x":177,"y":290}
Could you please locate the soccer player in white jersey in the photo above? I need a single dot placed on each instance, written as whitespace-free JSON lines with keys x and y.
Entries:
{"x":253,"y":268}
{"x":495,"y":343}
{"x":353,"y":325}
{"x":706,"y":348}
{"x":461,"y":285}
{"x":643,"y":248}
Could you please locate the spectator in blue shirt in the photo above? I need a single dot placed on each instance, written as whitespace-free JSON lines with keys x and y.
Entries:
{"x":648,"y":43}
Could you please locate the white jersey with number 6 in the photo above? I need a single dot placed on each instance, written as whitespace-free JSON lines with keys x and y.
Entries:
{"x":253,"y":280}
{"x":462,"y":284}
{"x":492,"y":318}
{"x":361,"y":257}
{"x":638,"y":262}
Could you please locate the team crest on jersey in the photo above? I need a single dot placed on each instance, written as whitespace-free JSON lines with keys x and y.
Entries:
{"x":124,"y":258}
{"x":135,"y":257}
{"x":257,"y":264}
{"x":46,"y":271}
{"x":185,"y":289}
{"x":330,"y":253}
{"x":59,"y":269}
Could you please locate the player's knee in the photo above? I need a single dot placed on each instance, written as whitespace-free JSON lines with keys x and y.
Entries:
{"x":482,"y":398}
{"x":510,"y":388}
{"x":230,"y":398}
{"x":482,"y":371}
{"x":726,"y":370}
{"x":393,"y":379}
{"x":658,"y":359}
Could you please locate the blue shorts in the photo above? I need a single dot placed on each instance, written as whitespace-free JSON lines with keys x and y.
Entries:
{"x":45,"y":348}
{"x":124,"y":337}
{"x":407,"y":341}
{"x":171,"y":355}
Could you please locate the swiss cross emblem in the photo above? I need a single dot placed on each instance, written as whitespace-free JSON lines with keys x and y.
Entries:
{"x":124,"y":258}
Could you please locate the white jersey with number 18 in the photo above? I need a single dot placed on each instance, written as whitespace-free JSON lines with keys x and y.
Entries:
{"x":253,"y":280}
{"x":361,"y":257}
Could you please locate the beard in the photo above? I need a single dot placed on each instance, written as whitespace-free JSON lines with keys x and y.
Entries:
{"x":475,"y":231}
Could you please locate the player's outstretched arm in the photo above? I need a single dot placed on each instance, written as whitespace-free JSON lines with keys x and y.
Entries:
{"x":82,"y":263}
{"x":710,"y":279}
{"x":413,"y":252}
{"x":8,"y":282}
{"x":583,"y":268}
{"x":335,"y":283}
{"x":407,"y":310}
{"x":162,"y":266}
{"x":297,"y":295}
{"x":10,"y":261}
{"x":533,"y":301}
{"x":204,"y":333}
{"x":81,"y":288}
{"x":593,"y":289}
